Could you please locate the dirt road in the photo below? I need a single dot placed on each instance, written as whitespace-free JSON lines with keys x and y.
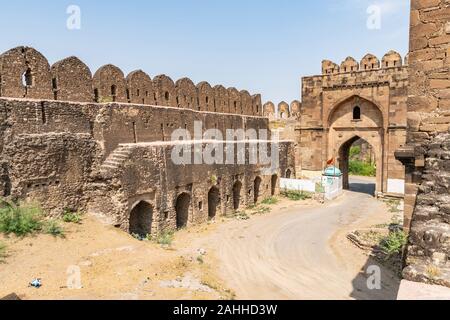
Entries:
{"x":302,"y":253}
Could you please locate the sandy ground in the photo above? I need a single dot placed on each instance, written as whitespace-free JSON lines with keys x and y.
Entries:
{"x":299,"y":251}
{"x":113,"y":265}
{"x":302,"y":252}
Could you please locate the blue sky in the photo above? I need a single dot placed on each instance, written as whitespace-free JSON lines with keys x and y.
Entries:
{"x":264,"y":46}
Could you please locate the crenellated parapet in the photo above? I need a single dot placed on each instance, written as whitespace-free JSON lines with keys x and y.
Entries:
{"x":369,"y":62}
{"x":26,"y":73}
{"x":283,"y":111}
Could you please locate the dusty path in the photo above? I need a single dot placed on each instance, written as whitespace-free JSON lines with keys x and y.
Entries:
{"x":302,"y":253}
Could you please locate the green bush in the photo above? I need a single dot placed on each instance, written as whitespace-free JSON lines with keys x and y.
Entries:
{"x":355,"y":152}
{"x":165,"y":238}
{"x":361,"y":168}
{"x":270,"y":201}
{"x":21,"y":219}
{"x":394,"y":243}
{"x":52,"y":227}
{"x":297,"y":195}
{"x":72,"y":217}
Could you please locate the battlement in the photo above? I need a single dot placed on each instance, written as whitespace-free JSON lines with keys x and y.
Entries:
{"x":26,"y":73}
{"x":369,"y":62}
{"x":284,"y":110}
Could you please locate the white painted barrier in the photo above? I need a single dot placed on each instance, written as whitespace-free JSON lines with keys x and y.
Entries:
{"x":298,"y":185}
{"x":334,"y":187}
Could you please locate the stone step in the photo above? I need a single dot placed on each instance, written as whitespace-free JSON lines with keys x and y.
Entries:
{"x":112,"y":162}
{"x":107,"y":167}
{"x":120,"y":156}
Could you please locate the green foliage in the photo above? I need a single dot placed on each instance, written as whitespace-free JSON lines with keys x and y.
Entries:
{"x":72,"y":217}
{"x":21,"y":219}
{"x":361,"y":168}
{"x":297,"y":195}
{"x":52,"y":227}
{"x":2,"y":252}
{"x":166,"y":238}
{"x":355,"y":152}
{"x":262,"y":210}
{"x":394,"y":243}
{"x":270,"y":201}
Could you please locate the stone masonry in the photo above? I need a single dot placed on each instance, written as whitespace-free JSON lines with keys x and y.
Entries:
{"x":103,"y":144}
{"x":427,"y":154}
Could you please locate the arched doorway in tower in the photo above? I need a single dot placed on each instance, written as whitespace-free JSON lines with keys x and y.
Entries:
{"x":274,"y":182}
{"x":182,"y":206}
{"x":141,"y":218}
{"x":237,"y":189}
{"x":213,"y":202}
{"x":256,"y":189}
{"x":358,"y":163}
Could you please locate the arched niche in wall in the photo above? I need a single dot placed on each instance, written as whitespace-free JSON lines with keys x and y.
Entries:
{"x":296,"y":109}
{"x":222,"y":99}
{"x":257,"y":105}
{"x":25,"y":74}
{"x":72,"y":81}
{"x":246,"y":103}
{"x":283,"y":111}
{"x":349,"y":65}
{"x":206,"y":97}
{"x":165,"y":92}
{"x":392,"y":59}
{"x":269,"y":110}
{"x":109,"y":85}
{"x":235,"y":101}
{"x":187,"y":96}
{"x":140,"y":88}
{"x":369,"y":62}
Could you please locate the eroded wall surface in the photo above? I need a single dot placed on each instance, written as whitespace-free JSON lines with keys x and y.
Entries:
{"x":427,"y":154}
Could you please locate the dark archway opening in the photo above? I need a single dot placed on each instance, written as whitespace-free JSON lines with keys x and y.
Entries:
{"x":274,"y":183}
{"x":288,"y":174}
{"x":141,"y":218}
{"x":257,"y":187}
{"x":182,"y":210}
{"x":213,"y":202}
{"x":357,"y":162}
{"x":356,"y":113}
{"x":237,"y":188}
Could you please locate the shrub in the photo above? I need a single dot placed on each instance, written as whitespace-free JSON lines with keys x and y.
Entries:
{"x":165,"y":238}
{"x":394,"y":243}
{"x":21,"y":220}
{"x":72,"y":217}
{"x":355,"y":152}
{"x":53,"y":228}
{"x":361,"y":168}
{"x":270,"y":201}
{"x":297,"y":195}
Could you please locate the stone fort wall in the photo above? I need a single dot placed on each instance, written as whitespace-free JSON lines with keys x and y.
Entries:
{"x":322,"y":122}
{"x":110,"y":154}
{"x":26,"y":73}
{"x":427,"y":154}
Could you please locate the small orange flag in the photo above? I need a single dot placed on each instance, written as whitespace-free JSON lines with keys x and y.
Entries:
{"x":330,"y":162}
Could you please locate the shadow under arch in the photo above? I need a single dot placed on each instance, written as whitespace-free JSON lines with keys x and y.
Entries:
{"x":359,"y":185}
{"x":141,"y":219}
{"x":182,"y":207}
